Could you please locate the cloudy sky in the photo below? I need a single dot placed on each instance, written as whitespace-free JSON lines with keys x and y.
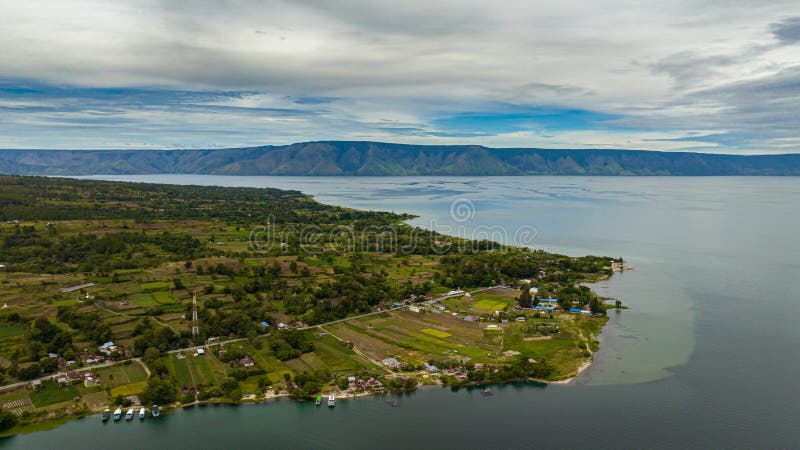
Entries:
{"x":711,"y":76}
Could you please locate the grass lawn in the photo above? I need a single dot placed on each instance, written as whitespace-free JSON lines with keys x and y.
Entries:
{"x":51,"y":393}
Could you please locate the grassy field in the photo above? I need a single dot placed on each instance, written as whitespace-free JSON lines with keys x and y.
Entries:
{"x":122,"y":374}
{"x":12,"y":330}
{"x":129,"y":389}
{"x":51,"y":393}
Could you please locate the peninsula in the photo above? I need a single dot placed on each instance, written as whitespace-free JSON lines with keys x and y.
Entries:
{"x":116,"y":294}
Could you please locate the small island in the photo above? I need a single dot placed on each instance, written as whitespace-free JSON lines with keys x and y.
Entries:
{"x":123,"y":295}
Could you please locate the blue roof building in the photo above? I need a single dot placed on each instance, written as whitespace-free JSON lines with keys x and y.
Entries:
{"x":575,"y":310}
{"x":545,"y":308}
{"x":265,"y":324}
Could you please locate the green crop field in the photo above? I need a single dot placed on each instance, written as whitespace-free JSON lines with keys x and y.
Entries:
{"x":12,"y":329}
{"x":144,"y":300}
{"x":436,"y":333}
{"x":155,"y":286}
{"x":181,"y":371}
{"x":163,"y":297}
{"x":487,"y":306}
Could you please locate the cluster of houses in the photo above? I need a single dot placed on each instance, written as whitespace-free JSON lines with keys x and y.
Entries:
{"x":369,"y":384}
{"x":88,"y":379}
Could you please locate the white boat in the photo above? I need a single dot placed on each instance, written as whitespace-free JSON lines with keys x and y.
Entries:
{"x":117,"y":414}
{"x":155,"y":411}
{"x":142,"y":413}
{"x":106,"y":414}
{"x":331,"y":401}
{"x":129,"y":414}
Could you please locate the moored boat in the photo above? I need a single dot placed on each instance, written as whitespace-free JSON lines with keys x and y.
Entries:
{"x":117,"y":414}
{"x":319,"y":400}
{"x":106,"y":415}
{"x":142,"y":413}
{"x":155,"y":412}
{"x":331,"y":401}
{"x":486,"y":392}
{"x":129,"y":414}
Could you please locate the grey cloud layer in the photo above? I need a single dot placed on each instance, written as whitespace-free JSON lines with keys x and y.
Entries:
{"x":672,"y":70}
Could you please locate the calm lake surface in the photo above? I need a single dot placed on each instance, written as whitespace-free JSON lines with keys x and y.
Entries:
{"x":707,"y":356}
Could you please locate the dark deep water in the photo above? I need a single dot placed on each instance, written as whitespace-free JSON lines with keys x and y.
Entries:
{"x":708,"y":356}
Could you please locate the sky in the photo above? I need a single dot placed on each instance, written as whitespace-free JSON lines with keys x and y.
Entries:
{"x":707,"y":76}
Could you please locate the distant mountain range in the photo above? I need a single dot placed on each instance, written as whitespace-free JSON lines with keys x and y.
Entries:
{"x":381,"y":159}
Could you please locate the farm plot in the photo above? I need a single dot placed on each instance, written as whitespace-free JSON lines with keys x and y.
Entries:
{"x":192,"y":371}
{"x":415,"y":337}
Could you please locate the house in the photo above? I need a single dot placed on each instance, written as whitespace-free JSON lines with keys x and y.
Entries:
{"x":52,"y":355}
{"x":62,"y":380}
{"x":264,"y":324}
{"x":469,"y":318}
{"x":430,"y":368}
{"x":200,"y":352}
{"x":89,"y":381}
{"x":493,"y":327}
{"x":548,"y":300}
{"x":73,"y":376}
{"x":391,"y":363}
{"x":282,"y":326}
{"x":351,"y":379}
{"x":36,"y":384}
{"x":521,"y":319}
{"x":575,"y":310}
{"x":545,"y":308}
{"x":414,"y":308}
{"x":247,"y":362}
{"x":534,"y":291}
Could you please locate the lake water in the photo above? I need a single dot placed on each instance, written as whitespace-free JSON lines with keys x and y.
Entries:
{"x":707,"y":356}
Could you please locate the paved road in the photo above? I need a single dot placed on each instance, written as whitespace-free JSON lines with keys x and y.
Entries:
{"x":138,"y":360}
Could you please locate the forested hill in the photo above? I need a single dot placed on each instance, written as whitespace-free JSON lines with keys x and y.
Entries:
{"x":382,"y":159}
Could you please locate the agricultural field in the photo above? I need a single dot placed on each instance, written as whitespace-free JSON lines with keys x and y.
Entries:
{"x":121,"y":374}
{"x":414,"y":338}
{"x":484,"y":302}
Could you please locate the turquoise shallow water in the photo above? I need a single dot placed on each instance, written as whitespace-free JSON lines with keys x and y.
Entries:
{"x":706,"y":357}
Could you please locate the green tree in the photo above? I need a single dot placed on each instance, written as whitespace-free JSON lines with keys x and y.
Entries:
{"x":7,"y":420}
{"x":524,"y":299}
{"x":160,"y":390}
